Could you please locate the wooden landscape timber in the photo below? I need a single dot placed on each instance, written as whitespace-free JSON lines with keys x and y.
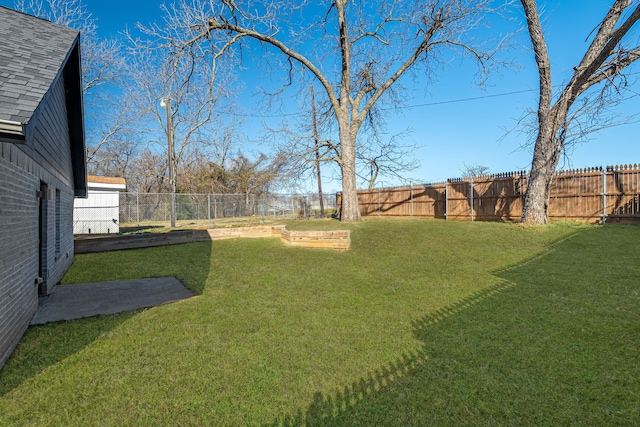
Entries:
{"x":245,"y":232}
{"x":339,"y":240}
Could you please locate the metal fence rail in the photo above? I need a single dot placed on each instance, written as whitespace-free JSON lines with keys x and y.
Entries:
{"x":139,"y":208}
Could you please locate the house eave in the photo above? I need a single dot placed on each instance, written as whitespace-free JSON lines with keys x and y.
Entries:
{"x":14,"y":131}
{"x":72,"y":71}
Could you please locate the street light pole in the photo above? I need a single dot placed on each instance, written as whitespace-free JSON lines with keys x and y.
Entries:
{"x":166,"y":103}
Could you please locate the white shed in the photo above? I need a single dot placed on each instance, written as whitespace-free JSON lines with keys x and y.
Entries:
{"x":99,"y":213}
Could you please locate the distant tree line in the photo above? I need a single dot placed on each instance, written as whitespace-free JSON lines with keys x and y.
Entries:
{"x":363,"y":57}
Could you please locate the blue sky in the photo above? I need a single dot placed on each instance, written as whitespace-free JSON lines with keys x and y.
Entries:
{"x":452,"y":121}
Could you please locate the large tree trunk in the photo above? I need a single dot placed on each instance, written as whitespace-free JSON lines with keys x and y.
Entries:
{"x":546,"y":154}
{"x":350,"y":209}
{"x":348,"y":126}
{"x":602,"y":62}
{"x":536,"y":202}
{"x":536,"y":199}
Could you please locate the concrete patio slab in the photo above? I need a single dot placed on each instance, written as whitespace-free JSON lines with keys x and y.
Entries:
{"x":68,"y":302}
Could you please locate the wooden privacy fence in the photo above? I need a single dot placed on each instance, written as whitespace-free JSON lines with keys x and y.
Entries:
{"x":597,"y":195}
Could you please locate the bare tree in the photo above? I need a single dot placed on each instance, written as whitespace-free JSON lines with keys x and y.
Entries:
{"x":254,"y":176}
{"x":111,"y":124}
{"x":600,"y":68}
{"x":196,"y":170}
{"x":357,"y":52}
{"x":384,"y":157}
{"x":146,"y":173}
{"x":107,"y":115}
{"x":181,"y":101}
{"x":377,"y":155}
{"x":310,"y":154}
{"x":101,"y":59}
{"x":114,"y":159}
{"x":473,"y":170}
{"x":238,"y":174}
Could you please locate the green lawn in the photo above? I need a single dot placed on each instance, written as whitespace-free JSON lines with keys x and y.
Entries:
{"x":419,"y":323}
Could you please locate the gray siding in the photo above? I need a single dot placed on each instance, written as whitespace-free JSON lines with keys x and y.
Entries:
{"x":45,"y":159}
{"x":49,"y":143}
{"x":53,"y":148}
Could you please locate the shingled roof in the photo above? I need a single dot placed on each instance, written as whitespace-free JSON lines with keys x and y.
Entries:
{"x":33,"y":52}
{"x":34,"y":55}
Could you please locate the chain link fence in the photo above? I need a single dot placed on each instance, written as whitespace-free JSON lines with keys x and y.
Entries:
{"x":147,"y":209}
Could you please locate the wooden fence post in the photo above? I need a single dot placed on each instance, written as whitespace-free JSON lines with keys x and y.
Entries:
{"x":411,"y":195}
{"x":471,"y":196}
{"x":446,"y":200}
{"x":604,"y":196}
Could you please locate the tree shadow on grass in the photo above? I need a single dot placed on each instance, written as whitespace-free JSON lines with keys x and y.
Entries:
{"x":555,"y":343}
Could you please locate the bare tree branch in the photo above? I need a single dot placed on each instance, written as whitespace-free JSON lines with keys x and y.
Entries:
{"x":357,"y":52}
{"x":603,"y":62}
{"x":106,"y":116}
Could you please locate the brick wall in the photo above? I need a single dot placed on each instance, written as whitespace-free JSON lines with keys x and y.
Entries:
{"x":18,"y":253}
{"x":20,"y":179}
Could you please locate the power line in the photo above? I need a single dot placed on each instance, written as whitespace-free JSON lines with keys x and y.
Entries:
{"x":428,"y":104}
{"x":475,"y":98}
{"x":451,"y":101}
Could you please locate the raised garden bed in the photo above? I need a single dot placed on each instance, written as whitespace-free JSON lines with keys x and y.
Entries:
{"x":339,"y":239}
